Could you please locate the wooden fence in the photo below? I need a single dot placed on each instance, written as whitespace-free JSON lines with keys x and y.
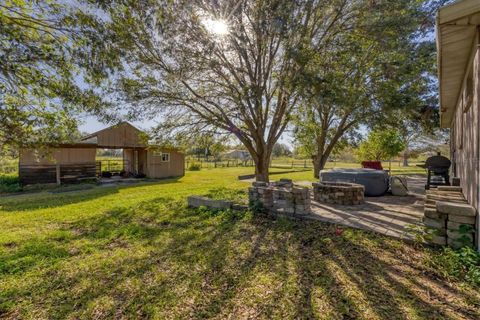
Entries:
{"x":275,"y":163}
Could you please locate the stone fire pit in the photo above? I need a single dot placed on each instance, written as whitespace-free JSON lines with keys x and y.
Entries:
{"x":338,"y":192}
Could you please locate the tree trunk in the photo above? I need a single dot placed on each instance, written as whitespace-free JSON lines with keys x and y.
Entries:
{"x":316,"y":167}
{"x":261,"y":169}
{"x":318,"y":164}
{"x":405,"y":159}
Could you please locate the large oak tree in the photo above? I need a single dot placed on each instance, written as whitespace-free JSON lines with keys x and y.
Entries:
{"x":228,"y":65}
{"x":383,"y":66}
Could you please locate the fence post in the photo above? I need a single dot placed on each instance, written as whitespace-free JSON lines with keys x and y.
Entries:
{"x":57,"y":172}
{"x":305,"y":164}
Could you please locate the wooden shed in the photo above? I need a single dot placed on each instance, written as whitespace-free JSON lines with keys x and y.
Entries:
{"x":74,"y":162}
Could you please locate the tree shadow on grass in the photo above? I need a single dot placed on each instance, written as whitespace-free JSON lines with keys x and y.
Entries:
{"x":161,"y":259}
{"x":54,"y":199}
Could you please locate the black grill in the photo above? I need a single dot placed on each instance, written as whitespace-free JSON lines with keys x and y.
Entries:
{"x":437,"y":167}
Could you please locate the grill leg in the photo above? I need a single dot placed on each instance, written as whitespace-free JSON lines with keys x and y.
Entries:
{"x":427,"y":186}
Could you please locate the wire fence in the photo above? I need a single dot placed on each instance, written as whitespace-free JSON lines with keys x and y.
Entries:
{"x":113,"y":164}
{"x":275,"y":163}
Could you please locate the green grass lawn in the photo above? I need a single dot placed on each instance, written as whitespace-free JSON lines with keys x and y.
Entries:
{"x":138,"y":252}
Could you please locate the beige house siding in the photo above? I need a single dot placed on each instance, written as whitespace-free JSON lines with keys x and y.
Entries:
{"x":156,"y":168}
{"x":464,"y":134}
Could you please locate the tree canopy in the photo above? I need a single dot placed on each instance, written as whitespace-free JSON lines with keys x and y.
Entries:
{"x":383,"y":66}
{"x":45,"y":51}
{"x":231,"y":65}
{"x":381,"y":145}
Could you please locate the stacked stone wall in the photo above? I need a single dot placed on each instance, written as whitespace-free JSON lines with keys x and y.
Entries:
{"x":338,"y":193}
{"x":448,"y":218}
{"x":281,"y":197}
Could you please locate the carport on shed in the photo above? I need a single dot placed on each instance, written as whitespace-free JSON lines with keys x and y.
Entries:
{"x":76,"y":161}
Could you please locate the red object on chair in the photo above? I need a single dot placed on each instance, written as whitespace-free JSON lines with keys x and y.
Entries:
{"x":377,"y":165}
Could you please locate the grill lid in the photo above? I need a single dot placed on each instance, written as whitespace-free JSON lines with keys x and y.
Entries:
{"x":438,"y":162}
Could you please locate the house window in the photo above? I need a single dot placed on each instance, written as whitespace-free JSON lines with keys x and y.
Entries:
{"x":165,"y":157}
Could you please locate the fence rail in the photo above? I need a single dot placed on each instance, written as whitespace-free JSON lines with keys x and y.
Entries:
{"x":276,"y":163}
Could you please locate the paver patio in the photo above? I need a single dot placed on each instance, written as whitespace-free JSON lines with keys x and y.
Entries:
{"x":389,"y":215}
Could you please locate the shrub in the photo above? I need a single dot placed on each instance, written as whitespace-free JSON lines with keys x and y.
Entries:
{"x":194,"y":167}
{"x":9,"y":184}
{"x":462,"y":264}
{"x":257,"y":207}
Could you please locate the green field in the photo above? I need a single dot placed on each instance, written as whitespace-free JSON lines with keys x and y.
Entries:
{"x":138,"y":252}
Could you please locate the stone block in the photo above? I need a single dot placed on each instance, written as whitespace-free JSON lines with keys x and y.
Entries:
{"x":434,"y":214}
{"x":440,"y":240}
{"x":289,"y":210}
{"x":436,"y":232}
{"x":259,"y":184}
{"x":449,"y":188}
{"x":434,"y":223}
{"x":462,"y":219}
{"x":302,"y":212}
{"x":459,"y":209}
{"x":239,"y":207}
{"x":198,"y":201}
{"x":457,"y":244}
{"x":452,"y":225}
{"x":459,"y":235}
{"x":299,"y":190}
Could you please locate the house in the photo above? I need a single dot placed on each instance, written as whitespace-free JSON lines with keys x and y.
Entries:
{"x":458,"y":43}
{"x":76,"y":161}
{"x":238,"y":154}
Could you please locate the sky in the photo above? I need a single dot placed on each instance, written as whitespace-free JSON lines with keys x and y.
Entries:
{"x":91,"y":124}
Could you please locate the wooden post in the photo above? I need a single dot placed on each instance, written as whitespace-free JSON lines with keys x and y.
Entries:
{"x":57,"y":169}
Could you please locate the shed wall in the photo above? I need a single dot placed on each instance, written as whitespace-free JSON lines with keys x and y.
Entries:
{"x":158,"y":169}
{"x":56,"y":165}
{"x":53,"y":156}
{"x":121,"y":136}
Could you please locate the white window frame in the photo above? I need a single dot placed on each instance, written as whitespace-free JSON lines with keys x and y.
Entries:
{"x":165,"y":157}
